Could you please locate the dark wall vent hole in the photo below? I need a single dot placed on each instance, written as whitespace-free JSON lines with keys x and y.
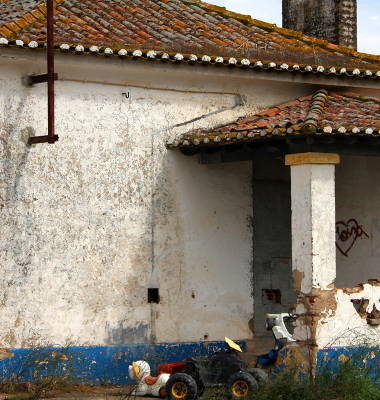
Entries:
{"x":153,"y":295}
{"x":272,"y":296}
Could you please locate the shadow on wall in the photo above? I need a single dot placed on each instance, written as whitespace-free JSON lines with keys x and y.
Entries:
{"x":214,"y":206}
{"x":18,"y":241}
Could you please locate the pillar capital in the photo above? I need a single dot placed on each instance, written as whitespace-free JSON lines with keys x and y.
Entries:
{"x":312,"y":158}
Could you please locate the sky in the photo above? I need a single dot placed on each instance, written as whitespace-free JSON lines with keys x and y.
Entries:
{"x":271,"y":11}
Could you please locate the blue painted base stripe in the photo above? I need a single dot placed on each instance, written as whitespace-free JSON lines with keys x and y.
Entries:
{"x":329,"y":361}
{"x":362,"y":357}
{"x":100,"y":364}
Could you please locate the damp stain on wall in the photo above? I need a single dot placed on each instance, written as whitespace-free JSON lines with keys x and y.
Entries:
{"x":129,"y":335}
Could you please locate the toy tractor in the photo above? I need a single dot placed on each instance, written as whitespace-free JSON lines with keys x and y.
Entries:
{"x":219,"y":369}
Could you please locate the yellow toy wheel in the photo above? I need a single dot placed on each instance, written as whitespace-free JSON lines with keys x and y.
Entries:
{"x":240,"y":388}
{"x":240,"y":385}
{"x":181,"y":387}
{"x":179,"y":390}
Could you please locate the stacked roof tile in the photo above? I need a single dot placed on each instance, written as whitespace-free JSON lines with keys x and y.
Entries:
{"x":321,"y":113}
{"x":182,"y":26}
{"x":15,"y":9}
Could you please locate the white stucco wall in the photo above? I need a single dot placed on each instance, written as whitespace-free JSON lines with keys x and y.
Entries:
{"x":89,"y":223}
{"x":358,"y":213}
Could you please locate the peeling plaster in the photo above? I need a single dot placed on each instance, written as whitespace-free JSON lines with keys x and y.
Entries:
{"x":329,"y":319}
{"x":298,"y":277}
{"x":345,"y":318}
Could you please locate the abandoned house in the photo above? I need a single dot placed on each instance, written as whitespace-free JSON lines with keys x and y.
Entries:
{"x":210,"y":169}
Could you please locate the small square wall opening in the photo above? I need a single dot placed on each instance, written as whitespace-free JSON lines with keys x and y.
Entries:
{"x":153,"y":295}
{"x":271,"y":296}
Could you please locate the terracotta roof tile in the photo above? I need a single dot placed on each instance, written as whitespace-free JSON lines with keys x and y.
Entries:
{"x":188,"y":26}
{"x":156,"y":21}
{"x":319,"y":113}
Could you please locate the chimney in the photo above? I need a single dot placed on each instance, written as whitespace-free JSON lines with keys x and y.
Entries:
{"x":332,"y":20}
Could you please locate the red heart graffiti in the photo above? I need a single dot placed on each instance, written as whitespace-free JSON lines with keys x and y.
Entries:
{"x":346,"y":235}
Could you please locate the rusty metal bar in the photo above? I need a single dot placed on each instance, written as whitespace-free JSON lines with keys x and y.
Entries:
{"x":50,"y":77}
{"x":40,"y":78}
{"x":50,"y":68}
{"x":42,"y":139}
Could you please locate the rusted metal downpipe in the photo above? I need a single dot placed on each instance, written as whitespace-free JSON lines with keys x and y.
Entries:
{"x":50,"y":67}
{"x":50,"y":77}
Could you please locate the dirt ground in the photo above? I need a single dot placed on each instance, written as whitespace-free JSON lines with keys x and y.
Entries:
{"x":93,"y":392}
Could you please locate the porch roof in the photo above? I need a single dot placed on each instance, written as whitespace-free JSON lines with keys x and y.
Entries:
{"x":322,"y":113}
{"x":343,"y":123}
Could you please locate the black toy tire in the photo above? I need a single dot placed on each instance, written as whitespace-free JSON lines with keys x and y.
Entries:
{"x":259,"y":375}
{"x":240,"y":385}
{"x":200,"y":389}
{"x":181,"y":386}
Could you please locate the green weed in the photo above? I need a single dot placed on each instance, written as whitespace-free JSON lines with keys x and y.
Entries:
{"x":40,"y":370}
{"x":346,"y":383}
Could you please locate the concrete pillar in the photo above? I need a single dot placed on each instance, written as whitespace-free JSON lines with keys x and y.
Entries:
{"x":313,"y":220}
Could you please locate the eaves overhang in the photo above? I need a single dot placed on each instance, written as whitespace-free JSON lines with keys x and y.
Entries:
{"x":280,"y":147}
{"x":263,"y":69}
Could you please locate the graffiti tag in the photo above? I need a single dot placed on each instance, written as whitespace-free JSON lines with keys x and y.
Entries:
{"x":346,"y":234}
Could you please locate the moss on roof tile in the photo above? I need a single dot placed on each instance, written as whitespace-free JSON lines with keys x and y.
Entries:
{"x":175,"y":25}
